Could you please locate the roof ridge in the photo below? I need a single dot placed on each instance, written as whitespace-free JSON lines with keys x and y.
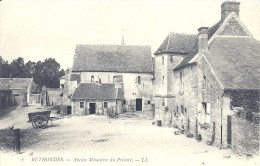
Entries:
{"x":177,"y":33}
{"x":77,"y":45}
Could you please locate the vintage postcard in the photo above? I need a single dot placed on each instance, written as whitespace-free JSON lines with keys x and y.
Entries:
{"x":148,"y":82}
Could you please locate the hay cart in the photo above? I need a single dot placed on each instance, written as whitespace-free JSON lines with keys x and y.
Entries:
{"x":39,"y":119}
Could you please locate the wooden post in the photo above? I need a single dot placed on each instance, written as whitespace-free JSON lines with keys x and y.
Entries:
{"x":17,"y":140}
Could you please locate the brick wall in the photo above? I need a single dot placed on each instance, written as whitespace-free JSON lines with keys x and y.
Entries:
{"x":245,"y":136}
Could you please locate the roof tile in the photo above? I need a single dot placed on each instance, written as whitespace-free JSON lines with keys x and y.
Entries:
{"x":112,"y":58}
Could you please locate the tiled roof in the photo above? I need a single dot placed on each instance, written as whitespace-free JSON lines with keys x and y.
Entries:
{"x":186,"y":59}
{"x":16,"y":83}
{"x":113,"y":58}
{"x":213,"y":29}
{"x":185,"y":62}
{"x":95,"y":91}
{"x":235,"y":60}
{"x":178,"y":43}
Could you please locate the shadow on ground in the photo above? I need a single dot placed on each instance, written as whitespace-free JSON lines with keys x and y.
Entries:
{"x":6,"y":111}
{"x":28,"y":138}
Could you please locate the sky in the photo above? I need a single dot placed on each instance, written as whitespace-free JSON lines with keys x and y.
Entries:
{"x":39,"y":29}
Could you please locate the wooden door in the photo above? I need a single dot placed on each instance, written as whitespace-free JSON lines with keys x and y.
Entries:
{"x":138,"y":104}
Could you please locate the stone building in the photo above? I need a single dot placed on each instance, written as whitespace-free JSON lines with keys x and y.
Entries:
{"x":96,"y":98}
{"x":173,"y":49}
{"x":129,"y":68}
{"x":215,"y":78}
{"x":19,"y":87}
{"x":5,"y":97}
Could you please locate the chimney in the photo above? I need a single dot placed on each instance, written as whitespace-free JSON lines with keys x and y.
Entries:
{"x":203,"y":39}
{"x":228,"y":7}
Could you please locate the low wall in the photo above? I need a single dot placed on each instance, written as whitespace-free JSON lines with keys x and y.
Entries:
{"x":245,"y":136}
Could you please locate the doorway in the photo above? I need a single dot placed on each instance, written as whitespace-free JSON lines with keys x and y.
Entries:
{"x":139,"y":104}
{"x":69,"y":110}
{"x":92,"y":108}
{"x":229,"y":131}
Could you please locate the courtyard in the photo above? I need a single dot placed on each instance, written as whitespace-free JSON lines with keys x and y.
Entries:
{"x":98,"y":140}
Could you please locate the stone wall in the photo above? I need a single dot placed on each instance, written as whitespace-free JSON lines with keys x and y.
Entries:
{"x":132,"y":88}
{"x":185,"y":112}
{"x":76,"y":110}
{"x":245,"y":136}
{"x":164,"y":94}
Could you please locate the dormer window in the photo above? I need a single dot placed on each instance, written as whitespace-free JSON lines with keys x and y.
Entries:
{"x":92,"y":78}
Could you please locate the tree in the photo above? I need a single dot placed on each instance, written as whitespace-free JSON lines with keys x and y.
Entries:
{"x":48,"y":73}
{"x":29,"y":68}
{"x":18,"y":68}
{"x":5,"y":68}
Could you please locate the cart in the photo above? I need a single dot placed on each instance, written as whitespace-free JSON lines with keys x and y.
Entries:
{"x":39,"y":119}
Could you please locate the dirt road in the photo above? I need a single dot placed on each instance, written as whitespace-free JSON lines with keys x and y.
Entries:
{"x":96,"y":140}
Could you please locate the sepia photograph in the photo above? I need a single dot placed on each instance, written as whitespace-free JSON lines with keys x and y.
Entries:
{"x":141,"y":82}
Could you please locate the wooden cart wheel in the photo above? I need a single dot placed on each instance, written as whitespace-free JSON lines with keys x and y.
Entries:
{"x":39,"y":121}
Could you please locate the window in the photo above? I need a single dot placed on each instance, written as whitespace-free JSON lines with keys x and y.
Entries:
{"x":148,"y":102}
{"x":81,"y":104}
{"x":162,"y":79}
{"x":163,"y":102}
{"x":171,"y":59}
{"x":105,"y":105}
{"x":182,"y":109}
{"x":206,"y":111}
{"x":205,"y":108}
{"x":204,"y":84}
{"x":139,"y":79}
{"x":162,"y":60}
{"x":124,"y":102}
{"x":114,"y":79}
{"x":92,"y":78}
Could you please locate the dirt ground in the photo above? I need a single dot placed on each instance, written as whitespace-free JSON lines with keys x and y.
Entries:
{"x":97,"y":140}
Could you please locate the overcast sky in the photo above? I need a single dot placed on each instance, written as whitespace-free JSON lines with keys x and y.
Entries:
{"x":36,"y":30}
